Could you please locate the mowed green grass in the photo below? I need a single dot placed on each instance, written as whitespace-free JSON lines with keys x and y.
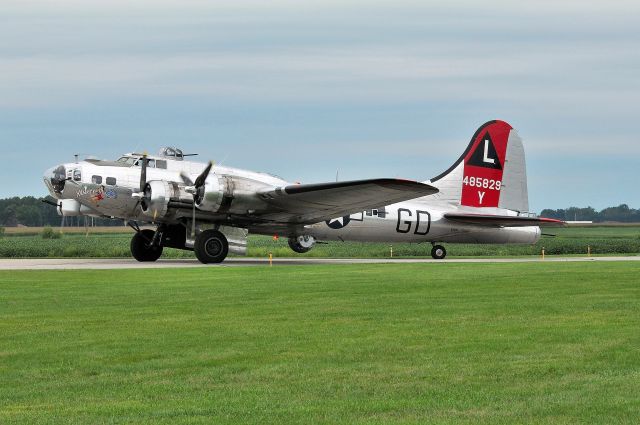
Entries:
{"x":357,"y":344}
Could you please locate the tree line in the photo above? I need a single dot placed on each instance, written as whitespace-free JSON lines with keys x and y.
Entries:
{"x":622,"y":213}
{"x":32,"y":212}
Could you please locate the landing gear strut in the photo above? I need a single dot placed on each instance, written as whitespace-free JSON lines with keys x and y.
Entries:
{"x":145,"y":247}
{"x":438,"y":252}
{"x":211,"y":247}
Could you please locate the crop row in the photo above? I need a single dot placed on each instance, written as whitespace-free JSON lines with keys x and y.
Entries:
{"x":117,"y":246}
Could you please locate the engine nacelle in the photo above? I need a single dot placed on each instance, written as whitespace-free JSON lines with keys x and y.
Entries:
{"x":302,"y":244}
{"x":69,"y":208}
{"x":212,"y":195}
{"x":157,"y":194}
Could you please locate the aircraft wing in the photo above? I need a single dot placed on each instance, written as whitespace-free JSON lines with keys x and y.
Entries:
{"x":312,"y":203}
{"x":502,"y":220}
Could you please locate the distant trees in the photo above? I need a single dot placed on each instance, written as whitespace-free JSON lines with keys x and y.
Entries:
{"x":32,"y":212}
{"x":28,"y":211}
{"x":622,"y":213}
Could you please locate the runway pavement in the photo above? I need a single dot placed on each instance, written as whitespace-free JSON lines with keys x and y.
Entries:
{"x":103,"y":264}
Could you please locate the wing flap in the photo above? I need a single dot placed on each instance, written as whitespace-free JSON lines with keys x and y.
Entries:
{"x":503,"y":220}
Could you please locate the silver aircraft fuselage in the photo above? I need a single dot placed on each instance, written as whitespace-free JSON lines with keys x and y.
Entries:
{"x":417,"y":221}
{"x":106,"y":188}
{"x":481,"y":198}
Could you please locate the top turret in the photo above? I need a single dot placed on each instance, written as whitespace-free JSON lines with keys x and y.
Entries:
{"x":172,"y":153}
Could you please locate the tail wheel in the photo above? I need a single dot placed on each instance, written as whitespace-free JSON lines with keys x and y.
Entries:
{"x":211,"y":247}
{"x":438,"y":252}
{"x":141,"y":247}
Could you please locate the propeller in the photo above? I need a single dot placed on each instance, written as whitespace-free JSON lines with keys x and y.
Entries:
{"x":143,"y":172}
{"x":143,"y":193}
{"x":203,"y":176}
{"x":197,"y":190}
{"x":145,"y":188}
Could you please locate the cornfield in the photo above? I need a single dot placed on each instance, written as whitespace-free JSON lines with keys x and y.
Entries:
{"x":569,"y":241}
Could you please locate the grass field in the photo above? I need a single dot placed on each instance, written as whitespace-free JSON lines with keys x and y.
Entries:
{"x":376,"y":344}
{"x":113,"y":244}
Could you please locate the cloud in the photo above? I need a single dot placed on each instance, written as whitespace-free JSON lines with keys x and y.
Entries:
{"x":404,"y":81}
{"x":74,"y":53}
{"x":427,"y":71}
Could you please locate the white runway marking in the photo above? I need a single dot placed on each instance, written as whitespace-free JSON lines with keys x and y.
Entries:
{"x":107,"y":264}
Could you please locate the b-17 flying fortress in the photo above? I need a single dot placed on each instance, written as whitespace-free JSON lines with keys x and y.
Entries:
{"x":210,"y":209}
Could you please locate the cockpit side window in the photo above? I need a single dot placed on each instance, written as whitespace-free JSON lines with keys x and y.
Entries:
{"x":151,"y":163}
{"x":77,"y":175}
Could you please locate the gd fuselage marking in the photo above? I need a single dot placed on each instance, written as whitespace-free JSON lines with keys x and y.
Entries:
{"x":423,"y":224}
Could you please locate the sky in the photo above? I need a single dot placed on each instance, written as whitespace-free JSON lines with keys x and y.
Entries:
{"x":307,"y":89}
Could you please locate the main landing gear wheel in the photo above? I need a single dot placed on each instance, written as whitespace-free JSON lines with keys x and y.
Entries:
{"x":211,"y":247}
{"x":302,"y":244}
{"x":141,"y":247}
{"x":438,"y":252}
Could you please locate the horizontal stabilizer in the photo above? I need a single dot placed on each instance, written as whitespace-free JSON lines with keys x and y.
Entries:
{"x":503,"y":220}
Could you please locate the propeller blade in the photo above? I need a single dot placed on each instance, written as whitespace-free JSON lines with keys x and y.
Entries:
{"x":185,"y":178}
{"x":195,"y":188}
{"x":202,"y":178}
{"x":143,"y":172}
{"x":193,"y":222}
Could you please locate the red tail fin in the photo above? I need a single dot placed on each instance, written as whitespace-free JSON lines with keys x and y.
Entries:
{"x":484,"y":165}
{"x":488,"y":174}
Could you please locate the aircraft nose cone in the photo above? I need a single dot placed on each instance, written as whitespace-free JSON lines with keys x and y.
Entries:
{"x":48,"y":173}
{"x":56,"y":177}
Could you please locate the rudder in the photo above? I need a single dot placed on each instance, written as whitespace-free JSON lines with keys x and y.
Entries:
{"x":490,"y":173}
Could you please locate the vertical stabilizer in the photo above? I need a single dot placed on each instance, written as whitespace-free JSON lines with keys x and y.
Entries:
{"x":490,"y":173}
